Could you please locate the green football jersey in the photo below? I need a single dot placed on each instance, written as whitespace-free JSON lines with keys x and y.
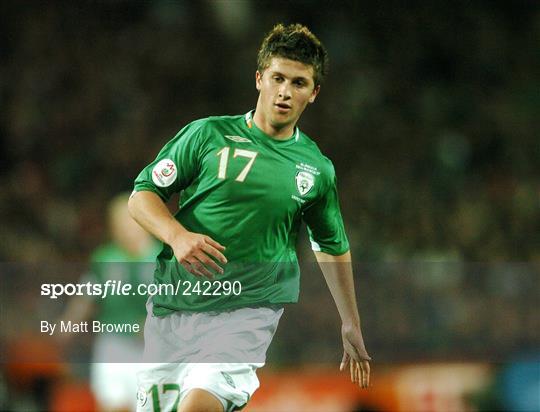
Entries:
{"x":111,"y":262}
{"x":250,"y":193}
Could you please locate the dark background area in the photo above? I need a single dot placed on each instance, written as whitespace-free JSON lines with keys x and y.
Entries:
{"x":430,"y":115}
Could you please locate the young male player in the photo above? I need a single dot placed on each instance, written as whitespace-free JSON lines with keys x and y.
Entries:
{"x":248,"y":181}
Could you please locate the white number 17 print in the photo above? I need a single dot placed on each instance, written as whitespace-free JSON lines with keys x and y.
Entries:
{"x":224,"y":161}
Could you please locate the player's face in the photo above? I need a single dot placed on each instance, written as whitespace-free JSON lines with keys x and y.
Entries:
{"x":285,"y":89}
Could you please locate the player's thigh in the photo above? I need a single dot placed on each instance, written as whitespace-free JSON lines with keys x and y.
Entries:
{"x":169,"y":386}
{"x":231,"y":383}
{"x":200,"y":400}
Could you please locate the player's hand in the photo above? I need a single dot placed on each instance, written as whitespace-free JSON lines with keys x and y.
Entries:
{"x":198,"y":254}
{"x":355,"y":355}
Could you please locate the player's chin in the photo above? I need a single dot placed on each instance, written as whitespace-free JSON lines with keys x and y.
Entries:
{"x":279,"y":123}
{"x":283,"y":120}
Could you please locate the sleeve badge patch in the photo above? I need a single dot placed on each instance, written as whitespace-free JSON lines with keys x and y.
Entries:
{"x":164,"y":173}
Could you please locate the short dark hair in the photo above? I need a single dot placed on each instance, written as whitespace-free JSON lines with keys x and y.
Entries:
{"x":294,"y":42}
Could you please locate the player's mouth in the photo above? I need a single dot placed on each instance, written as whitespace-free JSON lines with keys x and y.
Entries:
{"x":282,"y":107}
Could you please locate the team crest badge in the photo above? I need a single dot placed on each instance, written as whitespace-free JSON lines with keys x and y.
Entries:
{"x":304,"y":182}
{"x":142,"y":397}
{"x":164,"y":173}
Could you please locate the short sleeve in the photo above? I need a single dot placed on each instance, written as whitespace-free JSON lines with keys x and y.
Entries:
{"x":176,"y":165}
{"x":325,"y":224}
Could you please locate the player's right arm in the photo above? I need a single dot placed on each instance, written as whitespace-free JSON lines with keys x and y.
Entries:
{"x":175,"y":167}
{"x":194,"y":251}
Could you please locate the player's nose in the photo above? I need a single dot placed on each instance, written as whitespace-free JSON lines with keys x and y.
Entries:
{"x":284,"y":91}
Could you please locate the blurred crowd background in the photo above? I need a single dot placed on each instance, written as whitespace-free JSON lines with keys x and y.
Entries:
{"x":430,"y":115}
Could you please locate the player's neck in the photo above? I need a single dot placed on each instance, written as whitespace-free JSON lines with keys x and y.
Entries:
{"x":263,"y":124}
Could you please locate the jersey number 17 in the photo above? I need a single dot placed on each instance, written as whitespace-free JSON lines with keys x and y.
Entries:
{"x":224,"y":161}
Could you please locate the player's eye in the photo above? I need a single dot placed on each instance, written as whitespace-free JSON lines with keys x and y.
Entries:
{"x":278,"y":79}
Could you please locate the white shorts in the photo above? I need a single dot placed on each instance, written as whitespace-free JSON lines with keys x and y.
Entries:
{"x":215,"y":351}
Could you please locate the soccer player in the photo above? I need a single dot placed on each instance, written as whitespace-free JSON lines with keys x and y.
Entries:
{"x":115,"y":355}
{"x":248,"y":182}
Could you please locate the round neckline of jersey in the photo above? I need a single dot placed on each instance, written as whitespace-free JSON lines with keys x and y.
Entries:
{"x":254,"y":129}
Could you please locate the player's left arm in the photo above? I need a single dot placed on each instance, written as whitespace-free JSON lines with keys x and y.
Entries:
{"x":337,"y":271}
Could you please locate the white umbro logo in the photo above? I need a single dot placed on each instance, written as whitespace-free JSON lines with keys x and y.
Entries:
{"x":238,"y":139}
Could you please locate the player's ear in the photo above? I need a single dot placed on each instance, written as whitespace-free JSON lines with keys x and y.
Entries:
{"x":258,"y":80}
{"x":314,"y":93}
